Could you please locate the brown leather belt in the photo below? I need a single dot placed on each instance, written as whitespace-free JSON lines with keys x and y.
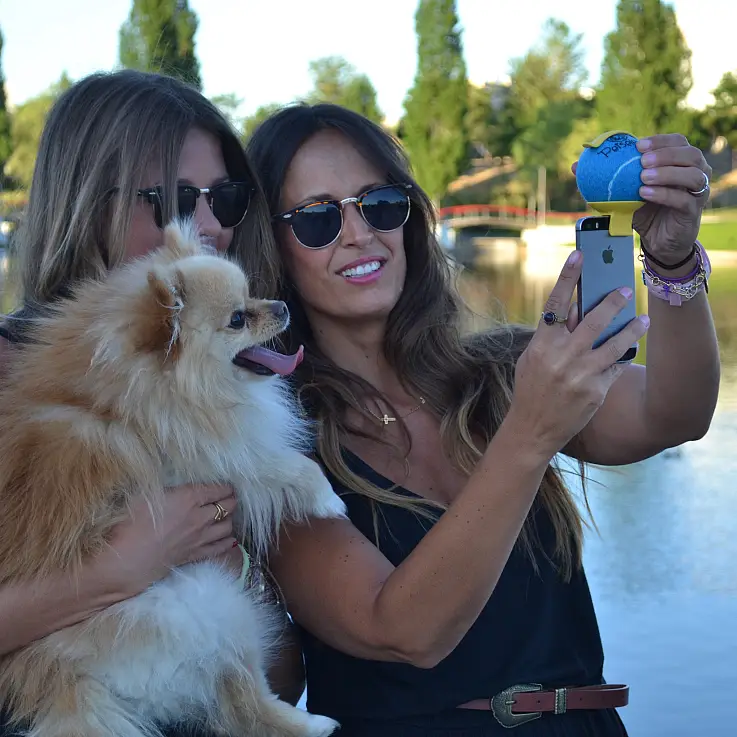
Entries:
{"x":527,"y":701}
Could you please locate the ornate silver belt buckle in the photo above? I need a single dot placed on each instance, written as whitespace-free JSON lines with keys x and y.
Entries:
{"x":502,"y":703}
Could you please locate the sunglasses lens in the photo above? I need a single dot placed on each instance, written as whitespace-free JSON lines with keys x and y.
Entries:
{"x":385,"y":209}
{"x":317,"y":225}
{"x":186,"y":201}
{"x":230,"y":202}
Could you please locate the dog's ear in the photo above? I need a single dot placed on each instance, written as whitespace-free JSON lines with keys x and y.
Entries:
{"x":159,"y":326}
{"x":181,"y":239}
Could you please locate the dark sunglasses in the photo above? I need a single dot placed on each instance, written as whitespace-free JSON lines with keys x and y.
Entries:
{"x":228,"y":201}
{"x":319,"y":224}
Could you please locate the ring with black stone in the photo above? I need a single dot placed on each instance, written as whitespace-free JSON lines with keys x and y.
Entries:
{"x":550,"y":318}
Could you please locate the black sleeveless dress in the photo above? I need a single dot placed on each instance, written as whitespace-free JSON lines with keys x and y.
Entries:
{"x":536,"y":628}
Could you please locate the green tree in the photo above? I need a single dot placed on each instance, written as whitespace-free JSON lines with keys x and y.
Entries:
{"x":335,"y":80}
{"x":544,"y":105}
{"x":434,"y":126}
{"x":695,"y":128}
{"x":552,"y":71}
{"x":27,"y":126}
{"x":229,"y":104}
{"x":720,"y":118}
{"x":489,"y":127}
{"x":646,"y":71}
{"x":584,"y":129}
{"x":6,"y":140}
{"x":262,"y":113}
{"x":159,"y":37}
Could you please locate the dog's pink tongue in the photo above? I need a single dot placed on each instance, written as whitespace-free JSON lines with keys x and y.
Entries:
{"x":276,"y":362}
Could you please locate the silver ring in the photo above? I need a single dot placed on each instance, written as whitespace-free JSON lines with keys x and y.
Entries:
{"x":703,"y":190}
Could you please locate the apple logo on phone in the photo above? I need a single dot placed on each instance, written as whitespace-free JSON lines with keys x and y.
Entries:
{"x":607,"y":255}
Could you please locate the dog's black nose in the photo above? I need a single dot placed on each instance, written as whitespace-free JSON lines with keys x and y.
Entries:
{"x":279,"y":309}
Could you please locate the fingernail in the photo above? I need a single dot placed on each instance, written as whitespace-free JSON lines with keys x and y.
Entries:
{"x":648,"y":159}
{"x":644,"y":144}
{"x":626,"y":292}
{"x":649,"y":175}
{"x":574,"y":258}
{"x":647,"y":191}
{"x":235,"y":543}
{"x":645,"y":320}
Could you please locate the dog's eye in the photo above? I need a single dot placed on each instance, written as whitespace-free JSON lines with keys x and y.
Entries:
{"x":237,"y":320}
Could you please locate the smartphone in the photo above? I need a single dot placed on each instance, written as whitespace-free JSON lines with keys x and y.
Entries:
{"x":608,"y":264}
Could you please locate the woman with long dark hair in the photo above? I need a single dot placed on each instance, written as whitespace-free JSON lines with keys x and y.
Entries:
{"x":453,"y":600}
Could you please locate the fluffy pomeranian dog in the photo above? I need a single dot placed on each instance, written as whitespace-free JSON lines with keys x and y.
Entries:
{"x":155,"y":377}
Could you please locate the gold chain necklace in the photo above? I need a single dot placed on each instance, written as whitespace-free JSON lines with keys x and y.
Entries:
{"x":385,"y":419}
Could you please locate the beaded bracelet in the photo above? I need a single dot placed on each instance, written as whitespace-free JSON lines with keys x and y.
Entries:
{"x":676,"y":290}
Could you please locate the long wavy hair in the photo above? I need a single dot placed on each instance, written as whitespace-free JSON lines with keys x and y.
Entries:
{"x":99,"y":137}
{"x":465,"y":379}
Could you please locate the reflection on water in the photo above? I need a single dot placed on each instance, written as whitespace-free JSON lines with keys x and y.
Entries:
{"x":663,"y":565}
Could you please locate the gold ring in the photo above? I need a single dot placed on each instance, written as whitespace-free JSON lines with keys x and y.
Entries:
{"x":220,"y":512}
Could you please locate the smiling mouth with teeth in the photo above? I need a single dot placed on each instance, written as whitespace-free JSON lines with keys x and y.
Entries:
{"x":363,"y":269}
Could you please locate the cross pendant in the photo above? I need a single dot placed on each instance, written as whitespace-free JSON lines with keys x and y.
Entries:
{"x":386,"y":419}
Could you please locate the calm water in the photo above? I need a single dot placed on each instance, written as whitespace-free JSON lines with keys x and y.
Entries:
{"x":663,"y":567}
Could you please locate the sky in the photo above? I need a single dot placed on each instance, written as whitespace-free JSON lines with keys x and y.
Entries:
{"x":260,"y":49}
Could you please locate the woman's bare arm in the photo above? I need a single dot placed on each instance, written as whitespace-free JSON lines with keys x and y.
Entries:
{"x":140,"y":553}
{"x":31,"y":611}
{"x":340,"y":586}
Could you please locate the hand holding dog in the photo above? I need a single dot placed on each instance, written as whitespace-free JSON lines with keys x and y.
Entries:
{"x":144,"y":549}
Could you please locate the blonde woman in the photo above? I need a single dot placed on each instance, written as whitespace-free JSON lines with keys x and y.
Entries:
{"x":453,"y":600}
{"x":119,"y":155}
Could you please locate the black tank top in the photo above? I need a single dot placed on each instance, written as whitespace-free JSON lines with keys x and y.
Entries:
{"x":535,"y":628}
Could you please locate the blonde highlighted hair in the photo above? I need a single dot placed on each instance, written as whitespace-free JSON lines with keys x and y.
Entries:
{"x":99,"y":137}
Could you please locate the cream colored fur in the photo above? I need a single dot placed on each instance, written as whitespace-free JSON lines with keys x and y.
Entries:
{"x":130,"y":387}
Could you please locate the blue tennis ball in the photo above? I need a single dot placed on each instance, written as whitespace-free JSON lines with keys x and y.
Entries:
{"x":610,"y":171}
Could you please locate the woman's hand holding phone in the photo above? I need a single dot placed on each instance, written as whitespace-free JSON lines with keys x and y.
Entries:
{"x":560,"y":380}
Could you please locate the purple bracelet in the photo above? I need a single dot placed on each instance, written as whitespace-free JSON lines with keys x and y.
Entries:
{"x":676,"y":290}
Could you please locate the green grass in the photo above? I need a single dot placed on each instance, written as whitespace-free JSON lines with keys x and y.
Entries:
{"x":721,"y":236}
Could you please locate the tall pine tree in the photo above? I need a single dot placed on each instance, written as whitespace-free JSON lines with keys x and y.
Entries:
{"x":159,"y":37}
{"x":6,"y":140}
{"x":646,"y":72}
{"x":433,"y":128}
